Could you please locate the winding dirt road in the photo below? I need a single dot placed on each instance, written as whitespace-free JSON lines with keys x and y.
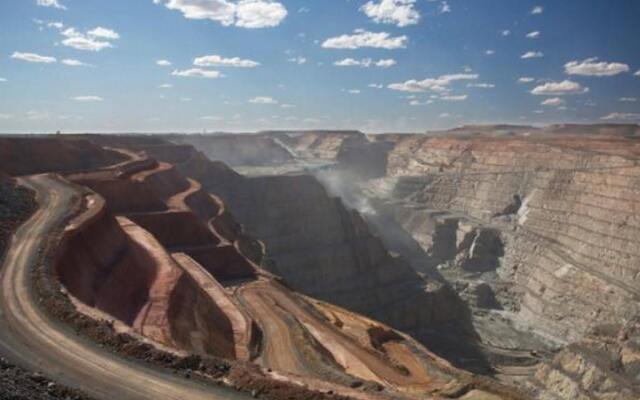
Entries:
{"x":32,"y":339}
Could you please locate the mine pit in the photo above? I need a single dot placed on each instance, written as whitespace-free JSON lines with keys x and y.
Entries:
{"x":396,"y":266}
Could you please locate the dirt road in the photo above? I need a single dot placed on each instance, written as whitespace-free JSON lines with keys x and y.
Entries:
{"x":31,"y":338}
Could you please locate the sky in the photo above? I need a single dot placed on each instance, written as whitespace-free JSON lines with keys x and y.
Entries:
{"x":372,"y":65}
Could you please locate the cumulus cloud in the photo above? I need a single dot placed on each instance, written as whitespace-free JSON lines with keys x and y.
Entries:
{"x":559,"y":88}
{"x":637,"y":73}
{"x":628,"y":99}
{"x":218,"y":61}
{"x":197,"y":73}
{"x":94,"y":40}
{"x":365,"y":63}
{"x":537,"y":10}
{"x":617,"y":116}
{"x":554,"y":102}
{"x":163,"y":63}
{"x":74,"y":63}
{"x":376,"y":85}
{"x":263,"y":100}
{"x":397,"y":12}
{"x":249,"y":14}
{"x":593,"y":67}
{"x":103,"y":33}
{"x":439,"y":84}
{"x":532,"y":54}
{"x":505,"y":32}
{"x":88,"y":98}
{"x":361,"y":38}
{"x":533,"y":35}
{"x":490,"y":52}
{"x":525,"y":79}
{"x":354,"y":91}
{"x":33,"y":58}
{"x":51,"y":3}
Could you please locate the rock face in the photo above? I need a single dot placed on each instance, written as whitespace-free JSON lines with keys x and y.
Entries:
{"x":542,"y":226}
{"x":564,"y":206}
{"x":326,"y":250}
{"x":157,"y":256}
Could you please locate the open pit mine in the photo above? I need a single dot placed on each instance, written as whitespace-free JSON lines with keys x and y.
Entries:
{"x":484,"y":262}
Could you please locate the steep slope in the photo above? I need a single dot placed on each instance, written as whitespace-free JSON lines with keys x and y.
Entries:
{"x":327,"y":251}
{"x":545,"y":225}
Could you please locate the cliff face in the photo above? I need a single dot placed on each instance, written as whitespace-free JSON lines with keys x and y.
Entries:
{"x":327,"y":251}
{"x":566,"y":208}
{"x":154,"y":253}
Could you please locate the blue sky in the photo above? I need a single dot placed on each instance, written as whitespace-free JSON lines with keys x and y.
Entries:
{"x":374,"y":65}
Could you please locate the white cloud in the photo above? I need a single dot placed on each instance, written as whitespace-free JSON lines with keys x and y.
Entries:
{"x":537,"y":10}
{"x":554,"y":102}
{"x":637,"y":73}
{"x":57,"y":25}
{"x":3,"y":79}
{"x":32,"y":57}
{"x":481,"y":85}
{"x":444,"y":7}
{"x":298,"y":60}
{"x":285,"y":105}
{"x":263,"y":100}
{"x":94,"y":40}
{"x":259,"y":14}
{"x":218,"y":61}
{"x":532,"y":54}
{"x":103,"y":33}
{"x":616,"y":116}
{"x":361,"y":38}
{"x":376,"y":85}
{"x":165,"y":86}
{"x":462,"y":97}
{"x":444,"y":115}
{"x":628,"y":99}
{"x":163,"y":63}
{"x":365,"y":63}
{"x":397,"y":12}
{"x":420,"y":103}
{"x":525,"y":79}
{"x":438,"y":84}
{"x":354,"y":91}
{"x":533,"y":35}
{"x":490,"y":52}
{"x":245,"y":13}
{"x":185,"y":99}
{"x":51,"y":3}
{"x":591,"y":67}
{"x":505,"y":32}
{"x":559,"y":88}
{"x":88,"y":98}
{"x":197,"y":73}
{"x":74,"y":63}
